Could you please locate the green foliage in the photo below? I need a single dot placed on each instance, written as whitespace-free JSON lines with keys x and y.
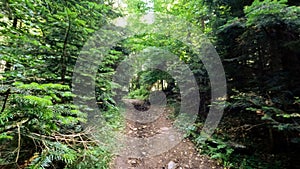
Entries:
{"x":148,"y":78}
{"x":114,"y":118}
{"x":40,"y":42}
{"x":55,"y":152}
{"x":137,"y":6}
{"x":141,"y":94}
{"x":267,"y":109}
{"x":39,"y":109}
{"x":44,"y":38}
{"x":39,"y":114}
{"x":195,"y":12}
{"x":93,"y":158}
{"x":216,"y":149}
{"x":260,"y":36}
{"x":269,"y":12}
{"x":228,"y":154}
{"x":34,"y":101}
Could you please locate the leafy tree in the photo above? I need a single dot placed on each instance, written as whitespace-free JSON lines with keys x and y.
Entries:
{"x":45,"y":37}
{"x":40,"y":42}
{"x":265,"y":50}
{"x":259,"y":50}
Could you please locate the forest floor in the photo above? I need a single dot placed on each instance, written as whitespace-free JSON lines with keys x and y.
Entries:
{"x":182,"y":156}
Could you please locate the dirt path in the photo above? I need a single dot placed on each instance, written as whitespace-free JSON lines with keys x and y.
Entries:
{"x":181,"y":156}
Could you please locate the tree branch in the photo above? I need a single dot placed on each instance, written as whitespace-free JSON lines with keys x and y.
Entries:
{"x":64,"y":55}
{"x":7,"y":93}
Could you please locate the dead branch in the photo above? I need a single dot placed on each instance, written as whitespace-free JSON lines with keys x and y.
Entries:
{"x":7,"y":93}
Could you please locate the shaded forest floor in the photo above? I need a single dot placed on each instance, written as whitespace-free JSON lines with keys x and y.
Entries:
{"x":182,"y":156}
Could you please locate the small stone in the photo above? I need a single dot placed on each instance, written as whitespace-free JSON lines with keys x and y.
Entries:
{"x":132,"y":161}
{"x":164,"y":128}
{"x":172,"y":165}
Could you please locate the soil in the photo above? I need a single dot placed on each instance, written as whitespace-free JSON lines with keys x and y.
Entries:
{"x":181,"y":156}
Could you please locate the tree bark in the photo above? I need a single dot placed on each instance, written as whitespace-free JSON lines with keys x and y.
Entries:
{"x":64,"y":54}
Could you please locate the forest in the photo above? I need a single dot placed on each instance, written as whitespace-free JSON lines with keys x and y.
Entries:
{"x":149,"y":84}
